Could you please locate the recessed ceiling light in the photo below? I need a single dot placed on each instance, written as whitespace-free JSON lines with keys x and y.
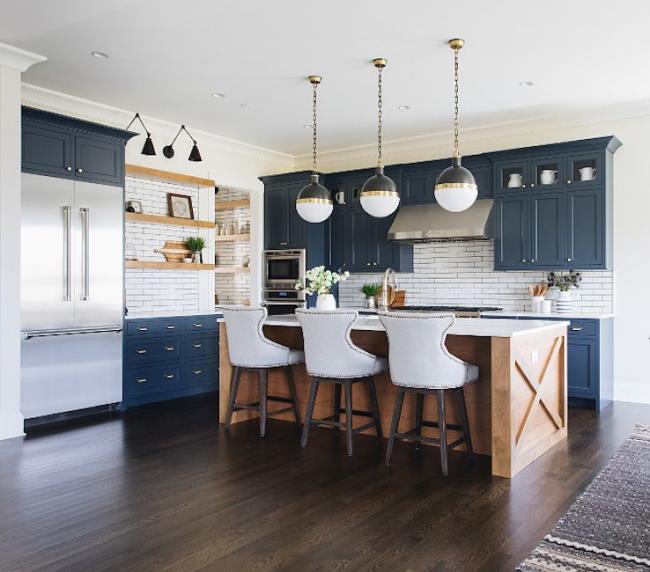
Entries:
{"x":245,"y":105}
{"x":404,"y":107}
{"x":100,"y":55}
{"x":526,"y":84}
{"x":217,"y":95}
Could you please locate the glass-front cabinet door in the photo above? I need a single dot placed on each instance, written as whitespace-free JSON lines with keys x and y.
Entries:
{"x":548,"y":173}
{"x":585,"y":170}
{"x":512,"y":176}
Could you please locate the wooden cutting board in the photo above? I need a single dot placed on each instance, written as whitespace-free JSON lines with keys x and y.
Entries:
{"x":399,"y":296}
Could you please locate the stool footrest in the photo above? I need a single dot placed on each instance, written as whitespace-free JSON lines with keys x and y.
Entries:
{"x":364,"y":427}
{"x":435,"y":425}
{"x":278,"y":411}
{"x":327,"y":421}
{"x":278,"y":398}
{"x":248,"y":406}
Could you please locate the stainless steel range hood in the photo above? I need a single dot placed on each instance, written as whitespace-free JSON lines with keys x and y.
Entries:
{"x":430,"y":223}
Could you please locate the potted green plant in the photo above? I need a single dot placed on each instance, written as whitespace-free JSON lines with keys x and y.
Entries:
{"x":370,"y":292}
{"x":196,"y":244}
{"x":320,"y":281}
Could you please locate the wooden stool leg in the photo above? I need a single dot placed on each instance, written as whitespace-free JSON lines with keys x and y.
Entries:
{"x":375,"y":406}
{"x":419,"y":409}
{"x":292,"y":393}
{"x":313,"y":390}
{"x":397,"y":412}
{"x":442,"y":424}
{"x":337,"y":403}
{"x":348,"y":417}
{"x":263,"y":393}
{"x":462,"y":406}
{"x":234,"y":387}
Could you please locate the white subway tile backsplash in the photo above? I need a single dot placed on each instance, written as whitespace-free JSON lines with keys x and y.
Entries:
{"x":461,"y":273}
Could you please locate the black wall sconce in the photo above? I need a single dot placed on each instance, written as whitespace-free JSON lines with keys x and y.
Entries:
{"x":168,"y":151}
{"x":147,"y":148}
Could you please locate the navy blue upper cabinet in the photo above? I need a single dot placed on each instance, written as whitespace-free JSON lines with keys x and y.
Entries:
{"x":418,"y":181}
{"x":512,"y":242}
{"x":276,"y":219}
{"x":47,"y":150}
{"x":548,"y":246}
{"x":567,"y":188}
{"x":64,"y":147}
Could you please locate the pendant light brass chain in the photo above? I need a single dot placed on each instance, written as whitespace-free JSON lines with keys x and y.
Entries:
{"x":456,"y":144}
{"x":380,"y":104}
{"x":315,"y":86}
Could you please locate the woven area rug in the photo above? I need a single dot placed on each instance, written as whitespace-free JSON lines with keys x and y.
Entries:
{"x":608,"y":527}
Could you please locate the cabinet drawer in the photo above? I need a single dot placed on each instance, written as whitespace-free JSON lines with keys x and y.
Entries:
{"x":583,"y":329}
{"x":143,"y":380}
{"x":200,"y":373}
{"x":152,"y":350}
{"x":157,"y":327}
{"x":207,"y":324}
{"x":200,"y":346}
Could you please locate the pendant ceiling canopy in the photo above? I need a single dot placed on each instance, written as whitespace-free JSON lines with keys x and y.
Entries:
{"x":314,"y":203}
{"x":456,"y":189}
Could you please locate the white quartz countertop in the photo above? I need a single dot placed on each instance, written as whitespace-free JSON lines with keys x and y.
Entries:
{"x":554,"y":315}
{"x":461,"y":327}
{"x":171,"y":314}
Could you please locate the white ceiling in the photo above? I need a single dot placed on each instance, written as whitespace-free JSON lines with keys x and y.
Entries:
{"x":167,"y":57}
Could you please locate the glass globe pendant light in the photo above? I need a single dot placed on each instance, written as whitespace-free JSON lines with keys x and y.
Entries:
{"x":314,"y":203}
{"x":456,"y":189}
{"x":379,"y":196}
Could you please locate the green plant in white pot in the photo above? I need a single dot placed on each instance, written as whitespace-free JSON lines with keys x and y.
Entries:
{"x":320,"y":281}
{"x":370,"y":291}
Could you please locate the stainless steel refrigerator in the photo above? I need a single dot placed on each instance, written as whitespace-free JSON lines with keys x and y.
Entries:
{"x":72,"y":294}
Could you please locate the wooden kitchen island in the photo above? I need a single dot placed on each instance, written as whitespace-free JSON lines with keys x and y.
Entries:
{"x":517,"y":410}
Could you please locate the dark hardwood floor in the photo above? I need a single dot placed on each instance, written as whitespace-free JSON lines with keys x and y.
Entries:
{"x":165,"y":488}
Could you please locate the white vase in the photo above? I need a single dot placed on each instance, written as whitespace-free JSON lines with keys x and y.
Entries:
{"x":565,"y":295}
{"x":326,"y":302}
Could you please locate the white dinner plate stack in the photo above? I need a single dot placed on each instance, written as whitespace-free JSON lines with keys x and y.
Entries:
{"x":564,"y":306}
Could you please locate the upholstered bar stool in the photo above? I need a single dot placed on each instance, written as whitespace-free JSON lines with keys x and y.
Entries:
{"x":420,"y":363}
{"x":249,"y":349}
{"x":330,"y":356}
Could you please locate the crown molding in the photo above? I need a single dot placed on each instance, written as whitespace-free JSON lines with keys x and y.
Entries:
{"x":18,"y":59}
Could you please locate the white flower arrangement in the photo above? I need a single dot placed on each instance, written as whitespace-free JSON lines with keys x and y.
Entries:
{"x":320,"y":280}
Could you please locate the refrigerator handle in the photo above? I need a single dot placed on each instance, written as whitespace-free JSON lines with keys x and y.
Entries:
{"x":85,"y":252}
{"x":67,"y":250}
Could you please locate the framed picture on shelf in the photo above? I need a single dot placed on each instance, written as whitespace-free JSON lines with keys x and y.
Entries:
{"x":180,"y":206}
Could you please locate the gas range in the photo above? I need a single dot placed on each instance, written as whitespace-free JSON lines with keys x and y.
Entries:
{"x":458,"y":311}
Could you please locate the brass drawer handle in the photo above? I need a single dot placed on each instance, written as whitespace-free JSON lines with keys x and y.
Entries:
{"x":169,"y":376}
{"x":197,"y":345}
{"x":197,"y":325}
{"x":577,"y":328}
{"x":142,"y":380}
{"x":141,"y":351}
{"x":169,"y":348}
{"x":142,"y":329}
{"x":197,"y":371}
{"x":171,"y":327}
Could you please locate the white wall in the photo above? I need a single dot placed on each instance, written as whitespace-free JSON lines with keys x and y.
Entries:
{"x":631,"y":210}
{"x":230,"y":163}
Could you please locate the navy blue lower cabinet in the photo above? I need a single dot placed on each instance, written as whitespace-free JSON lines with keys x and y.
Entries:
{"x":171,"y":357}
{"x":590,"y":369}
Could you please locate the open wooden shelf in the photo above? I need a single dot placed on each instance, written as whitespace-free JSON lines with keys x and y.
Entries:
{"x":232,"y":269}
{"x":161,"y":219}
{"x":139,"y":171}
{"x":229,"y":205}
{"x":155,"y":265}
{"x":232,"y":237}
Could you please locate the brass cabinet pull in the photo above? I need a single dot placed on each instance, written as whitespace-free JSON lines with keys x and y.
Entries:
{"x":169,"y":376}
{"x":197,"y":345}
{"x":577,"y":328}
{"x":68,"y":168}
{"x":143,"y":329}
{"x":80,"y":170}
{"x":171,"y":327}
{"x":142,"y":380}
{"x":141,"y":351}
{"x":169,"y":348}
{"x":197,"y":325}
{"x":197,"y":371}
